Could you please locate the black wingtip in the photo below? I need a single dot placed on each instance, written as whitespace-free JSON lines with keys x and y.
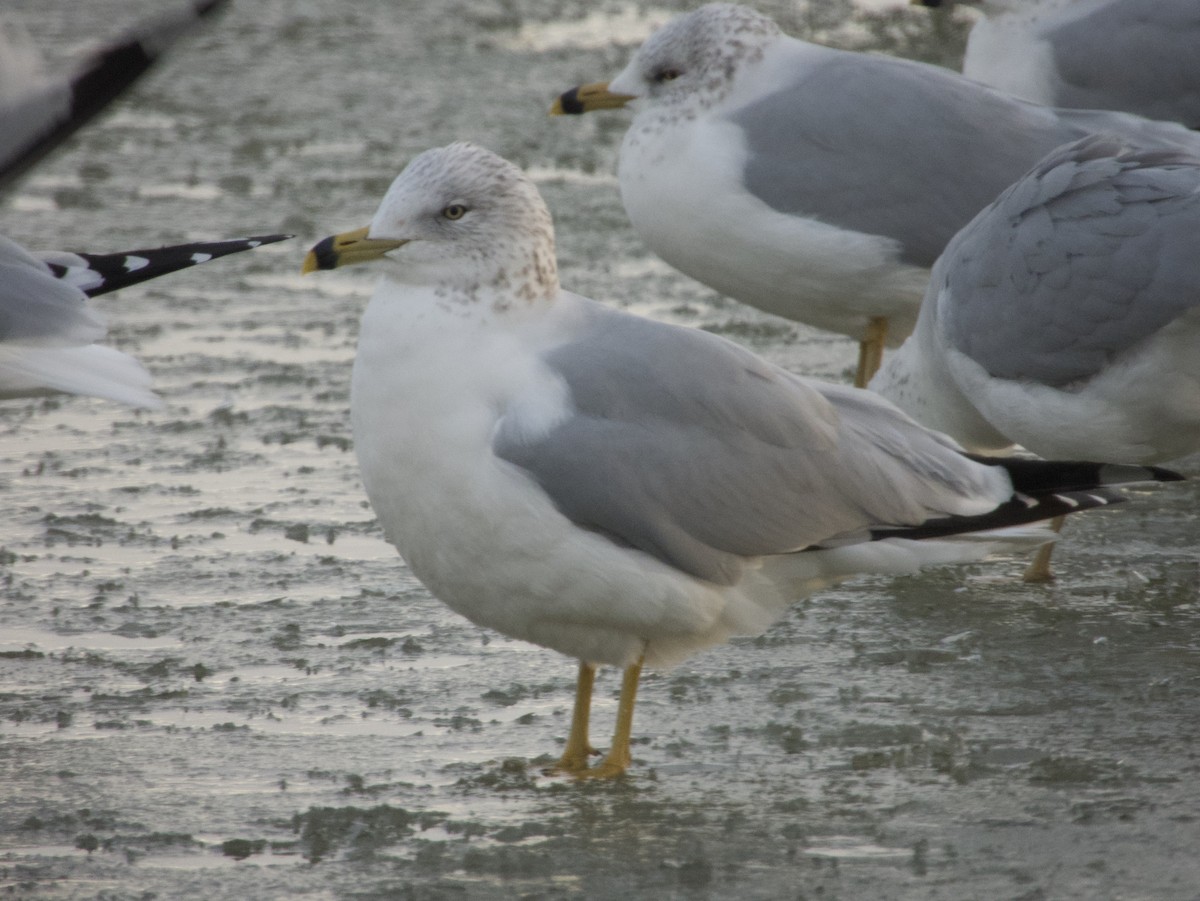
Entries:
{"x":1034,"y":476}
{"x":1042,"y":489}
{"x":97,"y":83}
{"x":1019,"y":511}
{"x":1166,"y":475}
{"x":119,"y":270}
{"x":260,"y":240}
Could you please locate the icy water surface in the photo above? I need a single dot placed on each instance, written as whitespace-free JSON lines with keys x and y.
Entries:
{"x":217,"y":681}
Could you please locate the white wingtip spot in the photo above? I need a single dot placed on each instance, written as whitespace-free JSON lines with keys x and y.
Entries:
{"x":1069,"y":501}
{"x":201,"y":257}
{"x":133,"y":264}
{"x":1025,"y":499}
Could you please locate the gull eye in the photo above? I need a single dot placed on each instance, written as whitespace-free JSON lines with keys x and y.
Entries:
{"x":665,"y":75}
{"x":454,"y":211}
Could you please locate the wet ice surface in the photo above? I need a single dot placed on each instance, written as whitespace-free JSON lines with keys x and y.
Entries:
{"x":218,"y":681}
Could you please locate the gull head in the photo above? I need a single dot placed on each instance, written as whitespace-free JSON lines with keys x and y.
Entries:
{"x":456,"y":218}
{"x":692,"y":60}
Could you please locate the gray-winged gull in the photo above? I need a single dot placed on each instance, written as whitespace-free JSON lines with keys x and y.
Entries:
{"x":48,"y":332}
{"x":815,"y":183}
{"x":620,"y":490}
{"x":1139,"y":56}
{"x":1065,"y":317}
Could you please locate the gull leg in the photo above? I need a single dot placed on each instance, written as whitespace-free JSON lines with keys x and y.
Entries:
{"x":575,"y":755}
{"x":619,"y":757}
{"x":1039,"y":569}
{"x":870,"y":351}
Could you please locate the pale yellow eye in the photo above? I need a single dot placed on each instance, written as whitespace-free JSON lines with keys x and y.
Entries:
{"x":454,"y":211}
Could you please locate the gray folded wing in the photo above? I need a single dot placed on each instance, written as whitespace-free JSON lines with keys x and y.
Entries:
{"x":1131,"y":55}
{"x":1092,"y":252}
{"x":904,"y":150}
{"x":691,"y":449}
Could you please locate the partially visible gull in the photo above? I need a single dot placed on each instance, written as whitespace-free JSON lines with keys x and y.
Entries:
{"x":1139,"y":56}
{"x":814,"y":183}
{"x":39,"y":111}
{"x":48,"y":332}
{"x":1065,"y":317}
{"x":617,"y":489}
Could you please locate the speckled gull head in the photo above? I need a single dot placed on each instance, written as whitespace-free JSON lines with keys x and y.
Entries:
{"x":458,"y":217}
{"x":690,"y":62}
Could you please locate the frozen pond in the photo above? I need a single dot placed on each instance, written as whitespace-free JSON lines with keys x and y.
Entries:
{"x":217,"y":680}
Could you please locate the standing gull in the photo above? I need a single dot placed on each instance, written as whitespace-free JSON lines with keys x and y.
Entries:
{"x":1139,"y":56}
{"x":48,"y":332}
{"x":620,"y":490}
{"x":1066,"y":317}
{"x":814,"y":183}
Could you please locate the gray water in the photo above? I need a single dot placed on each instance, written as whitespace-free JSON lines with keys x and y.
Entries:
{"x":218,"y":681}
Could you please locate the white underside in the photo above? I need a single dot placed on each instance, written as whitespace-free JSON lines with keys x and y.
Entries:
{"x":1144,"y":407}
{"x":681,"y":190}
{"x":92,"y":370}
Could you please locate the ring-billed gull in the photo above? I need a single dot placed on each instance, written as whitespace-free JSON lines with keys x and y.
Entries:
{"x":620,"y":490}
{"x":815,"y":183}
{"x":1065,"y":317}
{"x":47,"y":330}
{"x":39,"y":111}
{"x":1139,"y":56}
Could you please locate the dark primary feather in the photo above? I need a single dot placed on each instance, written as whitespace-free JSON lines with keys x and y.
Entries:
{"x":1042,"y":490}
{"x":45,"y":118}
{"x":99,"y":273}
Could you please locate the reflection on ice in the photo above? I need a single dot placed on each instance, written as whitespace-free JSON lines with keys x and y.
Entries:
{"x":628,"y":25}
{"x":16,"y":638}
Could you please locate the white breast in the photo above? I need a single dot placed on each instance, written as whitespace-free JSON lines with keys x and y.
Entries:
{"x":681,"y":186}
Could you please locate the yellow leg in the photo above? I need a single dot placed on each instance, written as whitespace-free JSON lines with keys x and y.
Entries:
{"x":575,"y":755}
{"x":619,"y":757}
{"x":870,"y":351}
{"x":1039,"y":569}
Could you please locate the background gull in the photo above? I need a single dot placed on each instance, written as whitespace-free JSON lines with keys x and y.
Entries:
{"x":1066,"y":317}
{"x":38,"y":111}
{"x":1129,"y":55}
{"x":620,"y":490}
{"x":815,"y":183}
{"x":48,"y":333}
